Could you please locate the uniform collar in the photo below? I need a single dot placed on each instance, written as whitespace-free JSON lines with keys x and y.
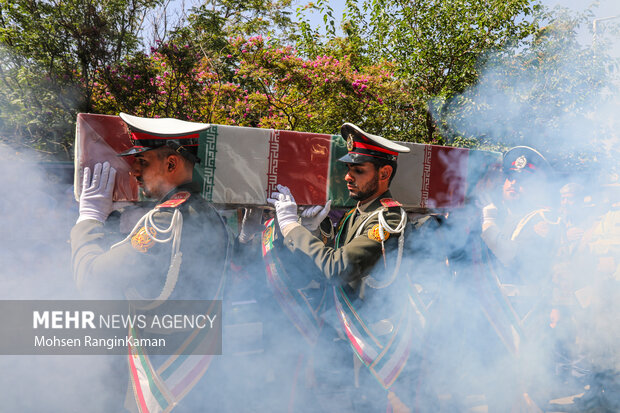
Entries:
{"x":191,"y":187}
{"x":373,"y":204}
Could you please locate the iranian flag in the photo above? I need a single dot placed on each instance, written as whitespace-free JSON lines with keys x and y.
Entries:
{"x":242,"y":166}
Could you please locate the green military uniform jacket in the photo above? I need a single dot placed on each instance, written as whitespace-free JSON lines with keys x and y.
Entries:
{"x":357,"y":247}
{"x":355,"y":266}
{"x":142,"y":264}
{"x":523,"y":244}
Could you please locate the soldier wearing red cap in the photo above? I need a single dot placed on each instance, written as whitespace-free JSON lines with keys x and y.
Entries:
{"x":178,"y":249}
{"x":361,"y":235}
{"x":361,"y":269}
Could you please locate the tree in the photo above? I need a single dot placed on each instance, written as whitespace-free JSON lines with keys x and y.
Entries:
{"x":438,"y":46}
{"x":267,"y":86}
{"x":554,"y":94}
{"x":50,"y":51}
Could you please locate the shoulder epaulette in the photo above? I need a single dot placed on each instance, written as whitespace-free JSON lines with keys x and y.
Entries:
{"x":175,"y":200}
{"x":389,"y":203}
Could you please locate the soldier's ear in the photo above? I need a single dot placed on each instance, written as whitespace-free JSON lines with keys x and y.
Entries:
{"x":172,"y":163}
{"x":385,"y":172}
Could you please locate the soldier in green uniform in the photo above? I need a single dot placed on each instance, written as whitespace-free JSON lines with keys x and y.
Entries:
{"x":520,"y":237}
{"x":163,"y":169}
{"x":178,"y":250}
{"x":361,"y":267}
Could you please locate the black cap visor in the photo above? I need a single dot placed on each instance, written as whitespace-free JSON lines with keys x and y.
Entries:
{"x":136,"y":150}
{"x":356,"y":158}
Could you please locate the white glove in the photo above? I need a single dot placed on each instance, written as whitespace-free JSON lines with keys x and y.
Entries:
{"x":489,"y":215}
{"x":312,"y":216}
{"x":286,"y":208}
{"x":251,"y":224}
{"x":96,"y":197}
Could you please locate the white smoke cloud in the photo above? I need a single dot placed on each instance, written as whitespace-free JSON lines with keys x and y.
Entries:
{"x":567,"y":110}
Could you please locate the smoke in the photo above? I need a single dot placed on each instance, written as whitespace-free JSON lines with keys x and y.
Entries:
{"x":558,"y":268}
{"x":38,"y":211}
{"x":462,"y":353}
{"x":557,"y":95}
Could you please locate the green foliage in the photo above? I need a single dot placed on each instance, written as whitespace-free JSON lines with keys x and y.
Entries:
{"x":435,"y":71}
{"x":437,"y":45}
{"x":552,"y":94}
{"x":267,"y":86}
{"x":50,"y":51}
{"x":310,"y":40}
{"x":213,"y":22}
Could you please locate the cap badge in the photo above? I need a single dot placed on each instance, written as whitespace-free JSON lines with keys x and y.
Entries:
{"x":520,"y":162}
{"x":350,"y":143}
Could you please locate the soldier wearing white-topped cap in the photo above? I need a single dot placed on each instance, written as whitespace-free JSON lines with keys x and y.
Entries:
{"x":361,"y":268}
{"x":177,"y":251}
{"x":163,"y":167}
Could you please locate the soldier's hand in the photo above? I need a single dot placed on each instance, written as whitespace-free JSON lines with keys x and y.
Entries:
{"x":489,"y":215}
{"x":285,"y":205}
{"x":312,"y":216}
{"x":96,"y":196}
{"x":574,"y":233}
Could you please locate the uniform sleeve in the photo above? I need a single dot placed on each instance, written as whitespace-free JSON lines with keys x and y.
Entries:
{"x":347,"y":263}
{"x":536,"y":240}
{"x":101,"y":271}
{"x":500,"y":244}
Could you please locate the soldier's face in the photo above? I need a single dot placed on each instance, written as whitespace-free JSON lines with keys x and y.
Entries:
{"x":362,"y":181}
{"x":512,"y":189}
{"x":150,"y":172}
{"x":570,"y":204}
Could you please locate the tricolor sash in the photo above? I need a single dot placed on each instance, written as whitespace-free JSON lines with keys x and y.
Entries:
{"x":419,"y":310}
{"x":293,"y":301}
{"x":158,"y":390}
{"x":150,"y":393}
{"x":385,"y":356}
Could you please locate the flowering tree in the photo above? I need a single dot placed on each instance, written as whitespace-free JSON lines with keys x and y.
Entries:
{"x":259,"y":84}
